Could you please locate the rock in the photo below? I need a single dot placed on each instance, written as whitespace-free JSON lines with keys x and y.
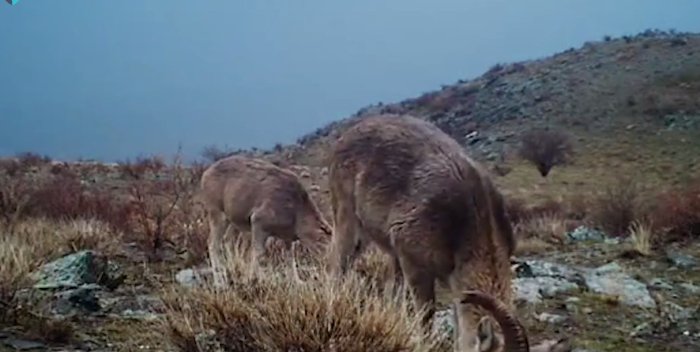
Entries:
{"x":680,"y":260}
{"x":539,"y":268}
{"x":74,"y":270}
{"x":583,"y":233}
{"x":83,"y":298}
{"x":24,"y":345}
{"x":208,"y":342}
{"x":677,"y":313}
{"x":443,"y":323}
{"x":660,"y":284}
{"x":551,"y":318}
{"x":611,"y":280}
{"x":192,"y":277}
{"x":139,"y":314}
{"x":532,"y":290}
{"x":642,"y":329}
{"x":690,"y":288}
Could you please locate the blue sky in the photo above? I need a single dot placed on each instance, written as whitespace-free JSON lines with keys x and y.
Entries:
{"x":116,"y":79}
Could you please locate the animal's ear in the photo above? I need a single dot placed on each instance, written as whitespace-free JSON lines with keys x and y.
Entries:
{"x":484,"y":329}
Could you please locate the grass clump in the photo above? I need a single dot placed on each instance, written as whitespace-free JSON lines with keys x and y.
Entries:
{"x":23,"y":248}
{"x":272,"y":309}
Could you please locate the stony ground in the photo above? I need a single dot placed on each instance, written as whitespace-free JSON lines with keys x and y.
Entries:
{"x":589,"y":291}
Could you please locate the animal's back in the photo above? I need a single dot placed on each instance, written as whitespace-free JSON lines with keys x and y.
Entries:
{"x":393,"y":166}
{"x":237,"y":184}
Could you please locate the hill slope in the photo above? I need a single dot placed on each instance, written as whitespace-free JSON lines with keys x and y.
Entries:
{"x":649,"y":79}
{"x":632,"y":103}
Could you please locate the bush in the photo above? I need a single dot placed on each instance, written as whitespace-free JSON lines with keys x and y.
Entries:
{"x":677,"y":212}
{"x":29,"y":159}
{"x":64,"y":197}
{"x":214,"y":153}
{"x":273,"y":310}
{"x":545,"y":149}
{"x":618,"y":206}
{"x":141,"y":166}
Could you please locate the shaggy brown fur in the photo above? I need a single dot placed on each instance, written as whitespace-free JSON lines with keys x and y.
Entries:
{"x":249,"y":194}
{"x":411,"y":189}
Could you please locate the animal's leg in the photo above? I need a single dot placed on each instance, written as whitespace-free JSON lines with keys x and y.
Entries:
{"x":422,"y":284}
{"x":216,"y":244}
{"x":259,"y":237}
{"x":345,"y":243}
{"x":398,"y":274}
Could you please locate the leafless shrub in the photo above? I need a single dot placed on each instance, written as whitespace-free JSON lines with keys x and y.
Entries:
{"x":677,"y":212}
{"x":141,"y":166}
{"x":64,"y":197}
{"x":213,"y":153}
{"x":618,"y":206}
{"x":545,"y":149}
{"x":14,"y":198}
{"x":29,"y":159}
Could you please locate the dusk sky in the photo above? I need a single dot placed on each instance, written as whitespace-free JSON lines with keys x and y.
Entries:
{"x":117,"y":79}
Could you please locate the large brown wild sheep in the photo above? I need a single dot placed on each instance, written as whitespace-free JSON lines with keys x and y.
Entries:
{"x":411,"y":189}
{"x":250,"y":194}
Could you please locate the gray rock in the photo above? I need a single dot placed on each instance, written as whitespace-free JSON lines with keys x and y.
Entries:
{"x":677,"y":313}
{"x":540,"y":268}
{"x":611,"y":280}
{"x":533,"y":290}
{"x":551,"y":318}
{"x":83,"y":298}
{"x":24,"y":345}
{"x":443,"y":323}
{"x":583,"y":233}
{"x":690,"y":288}
{"x":208,"y":342}
{"x":139,"y":314}
{"x":680,"y":260}
{"x":74,"y":270}
{"x":660,"y":284}
{"x":192,"y":277}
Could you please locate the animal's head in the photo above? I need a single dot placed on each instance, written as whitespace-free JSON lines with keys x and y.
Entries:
{"x":477,"y":332}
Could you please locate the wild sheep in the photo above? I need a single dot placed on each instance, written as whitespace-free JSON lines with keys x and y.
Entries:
{"x":405,"y":185}
{"x":250,"y":194}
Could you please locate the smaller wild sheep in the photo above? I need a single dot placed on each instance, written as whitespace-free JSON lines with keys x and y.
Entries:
{"x":250,"y":194}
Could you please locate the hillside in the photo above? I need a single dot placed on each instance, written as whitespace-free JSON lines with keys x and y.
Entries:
{"x":648,"y":82}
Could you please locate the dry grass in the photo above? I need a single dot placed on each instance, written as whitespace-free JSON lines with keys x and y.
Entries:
{"x":641,"y":235}
{"x":271,"y":309}
{"x":540,"y":233}
{"x":22,"y":250}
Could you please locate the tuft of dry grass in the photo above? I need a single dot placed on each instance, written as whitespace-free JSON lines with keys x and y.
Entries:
{"x":23,"y":248}
{"x":641,"y":235}
{"x":540,"y":233}
{"x":272,"y":309}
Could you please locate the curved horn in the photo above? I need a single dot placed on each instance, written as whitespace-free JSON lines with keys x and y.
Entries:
{"x":514,"y":333}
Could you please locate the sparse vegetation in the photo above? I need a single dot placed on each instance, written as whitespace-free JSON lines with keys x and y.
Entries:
{"x":273,"y":311}
{"x":546,"y":149}
{"x":641,"y":238}
{"x":618,"y":206}
{"x":677,"y":212}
